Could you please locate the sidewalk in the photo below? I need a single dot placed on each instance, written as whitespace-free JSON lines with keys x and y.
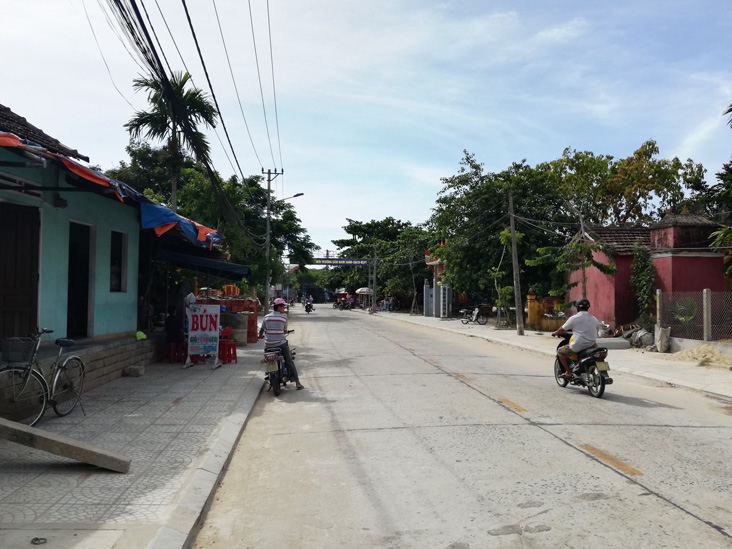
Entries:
{"x":178,"y":426}
{"x":715,"y":381}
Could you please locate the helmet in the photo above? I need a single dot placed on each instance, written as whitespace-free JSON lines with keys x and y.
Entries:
{"x":582,"y":304}
{"x":279,"y":301}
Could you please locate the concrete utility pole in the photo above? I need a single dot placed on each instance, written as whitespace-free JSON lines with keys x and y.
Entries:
{"x":373,"y":291}
{"x":516,"y":278}
{"x":268,"y":237}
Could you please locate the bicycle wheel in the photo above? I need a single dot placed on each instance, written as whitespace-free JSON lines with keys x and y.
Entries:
{"x":27,"y":405}
{"x":68,"y":384}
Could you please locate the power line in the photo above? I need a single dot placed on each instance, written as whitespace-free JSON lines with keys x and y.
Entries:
{"x":236,"y":89}
{"x":274,"y":89}
{"x":213,"y":94}
{"x":170,"y":33}
{"x":102,"y":54}
{"x":261,"y":91}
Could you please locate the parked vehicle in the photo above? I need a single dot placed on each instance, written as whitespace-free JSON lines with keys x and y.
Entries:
{"x":344,"y":305}
{"x":478,"y":315}
{"x":277,"y":372}
{"x":589,"y":370}
{"x":27,"y":389}
{"x":335,"y":304}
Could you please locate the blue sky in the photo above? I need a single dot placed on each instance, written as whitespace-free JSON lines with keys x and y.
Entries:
{"x":377,"y":100}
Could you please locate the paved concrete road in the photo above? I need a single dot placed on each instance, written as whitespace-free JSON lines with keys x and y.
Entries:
{"x":409,"y":437}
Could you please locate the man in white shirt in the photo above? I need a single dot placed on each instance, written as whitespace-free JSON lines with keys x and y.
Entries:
{"x":584,"y":333}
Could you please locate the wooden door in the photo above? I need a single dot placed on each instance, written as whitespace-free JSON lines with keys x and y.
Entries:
{"x":19,"y":244}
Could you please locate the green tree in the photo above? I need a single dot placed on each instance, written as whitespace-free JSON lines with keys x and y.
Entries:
{"x":630,"y":190}
{"x":472,"y":211}
{"x":643,"y":281}
{"x":576,"y":255}
{"x":169,"y":115}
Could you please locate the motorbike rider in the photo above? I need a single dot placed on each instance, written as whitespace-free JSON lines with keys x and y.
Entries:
{"x":584,"y":329}
{"x":274,"y":331}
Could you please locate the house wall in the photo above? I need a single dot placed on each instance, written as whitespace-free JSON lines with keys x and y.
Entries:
{"x":600,"y":291}
{"x":626,"y":310}
{"x":680,"y":236}
{"x":112,"y":312}
{"x":688,"y":273}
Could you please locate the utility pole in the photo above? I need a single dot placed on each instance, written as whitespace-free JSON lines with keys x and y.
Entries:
{"x":516,"y":278}
{"x":373,"y":291}
{"x":268,"y":237}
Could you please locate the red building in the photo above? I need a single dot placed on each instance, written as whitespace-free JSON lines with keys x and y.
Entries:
{"x":679,"y":248}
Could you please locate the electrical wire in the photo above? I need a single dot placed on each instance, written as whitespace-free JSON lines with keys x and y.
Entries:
{"x":261,"y":90}
{"x":274,"y":90}
{"x":236,"y":89}
{"x":213,"y":94}
{"x":102,"y":54}
{"x":170,"y":33}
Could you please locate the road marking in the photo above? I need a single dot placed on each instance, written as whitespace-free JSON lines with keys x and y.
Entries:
{"x":610,"y":460}
{"x":460,"y":376}
{"x":515,"y":407}
{"x":433,"y":362}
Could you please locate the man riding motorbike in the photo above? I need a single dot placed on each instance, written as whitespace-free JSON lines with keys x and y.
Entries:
{"x":584,"y":329}
{"x":274,"y":331}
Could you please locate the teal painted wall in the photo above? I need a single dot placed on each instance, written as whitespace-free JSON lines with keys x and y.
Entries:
{"x":113,"y":312}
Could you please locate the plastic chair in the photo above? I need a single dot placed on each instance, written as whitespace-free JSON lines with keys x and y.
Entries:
{"x":177,"y":352}
{"x":227,"y":351}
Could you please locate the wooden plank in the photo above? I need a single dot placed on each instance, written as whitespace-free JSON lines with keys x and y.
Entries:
{"x":61,"y":445}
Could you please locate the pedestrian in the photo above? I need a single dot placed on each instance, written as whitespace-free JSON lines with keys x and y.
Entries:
{"x":174,"y":327}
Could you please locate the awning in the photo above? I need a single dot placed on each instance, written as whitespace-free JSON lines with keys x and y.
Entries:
{"x":153,"y":216}
{"x":229,"y":271}
{"x":162,"y":219}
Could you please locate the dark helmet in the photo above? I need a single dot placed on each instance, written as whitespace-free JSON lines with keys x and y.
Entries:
{"x":582,"y":304}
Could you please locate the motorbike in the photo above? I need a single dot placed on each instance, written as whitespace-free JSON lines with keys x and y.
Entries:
{"x":477,"y":315}
{"x":308,"y":307}
{"x":277,"y":372}
{"x":590,"y":370}
{"x":335,"y":304}
{"x":344,"y":306}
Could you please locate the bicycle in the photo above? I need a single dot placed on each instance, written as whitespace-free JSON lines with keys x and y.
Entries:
{"x":24,"y":389}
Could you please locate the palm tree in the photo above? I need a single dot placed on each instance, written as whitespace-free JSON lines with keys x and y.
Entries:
{"x":168,"y":115}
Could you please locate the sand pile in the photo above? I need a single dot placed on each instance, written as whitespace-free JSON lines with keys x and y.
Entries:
{"x":704,"y":354}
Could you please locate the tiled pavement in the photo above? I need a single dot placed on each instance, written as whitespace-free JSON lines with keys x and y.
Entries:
{"x":177,"y":426}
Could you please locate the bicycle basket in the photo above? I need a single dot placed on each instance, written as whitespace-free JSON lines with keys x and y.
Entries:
{"x":17,"y":349}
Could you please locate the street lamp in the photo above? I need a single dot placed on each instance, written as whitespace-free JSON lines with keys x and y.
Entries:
{"x":268,"y":238}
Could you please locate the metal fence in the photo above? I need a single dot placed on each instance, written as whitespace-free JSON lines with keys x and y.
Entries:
{"x":703,"y":315}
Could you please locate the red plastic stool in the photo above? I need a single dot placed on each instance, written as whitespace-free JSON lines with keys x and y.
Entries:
{"x":227,"y":351}
{"x":177,"y":352}
{"x":195,"y":359}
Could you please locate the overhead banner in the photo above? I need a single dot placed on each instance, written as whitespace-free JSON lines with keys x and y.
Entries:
{"x":339,"y":261}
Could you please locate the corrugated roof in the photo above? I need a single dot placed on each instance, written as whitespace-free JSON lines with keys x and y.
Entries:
{"x":16,"y":124}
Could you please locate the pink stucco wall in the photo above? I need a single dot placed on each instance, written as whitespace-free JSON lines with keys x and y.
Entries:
{"x":601,"y":291}
{"x":689,"y":273}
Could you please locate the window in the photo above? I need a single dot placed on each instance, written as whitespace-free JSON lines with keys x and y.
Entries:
{"x":118,"y":262}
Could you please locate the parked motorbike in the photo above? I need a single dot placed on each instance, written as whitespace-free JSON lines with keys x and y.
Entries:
{"x":335,"y":304}
{"x":476,"y":315}
{"x":344,"y":305}
{"x":277,"y":372}
{"x":589,"y":370}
